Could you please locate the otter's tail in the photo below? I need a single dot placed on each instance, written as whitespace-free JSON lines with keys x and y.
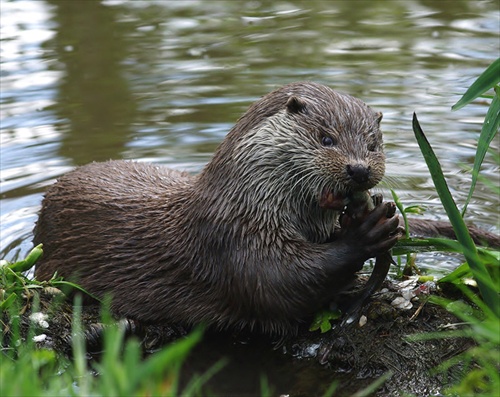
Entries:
{"x":431,"y":228}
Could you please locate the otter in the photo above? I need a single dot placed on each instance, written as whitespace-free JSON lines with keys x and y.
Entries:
{"x":253,"y":241}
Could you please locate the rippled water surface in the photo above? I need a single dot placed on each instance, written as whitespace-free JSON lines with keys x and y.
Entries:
{"x":164,"y":81}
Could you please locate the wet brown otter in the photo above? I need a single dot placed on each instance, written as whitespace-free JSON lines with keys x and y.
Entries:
{"x":249,"y":242}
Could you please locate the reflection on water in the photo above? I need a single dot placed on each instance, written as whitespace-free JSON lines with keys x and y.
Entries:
{"x":164,"y":81}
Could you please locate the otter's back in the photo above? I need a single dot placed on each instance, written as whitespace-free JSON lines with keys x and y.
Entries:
{"x":100,"y":206}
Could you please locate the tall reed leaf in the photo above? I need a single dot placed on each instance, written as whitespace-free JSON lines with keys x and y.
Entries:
{"x":469,"y":249}
{"x":487,"y":80}
{"x":488,"y":132}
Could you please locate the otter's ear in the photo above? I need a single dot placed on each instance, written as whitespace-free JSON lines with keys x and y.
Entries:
{"x":379,"y":117}
{"x":295,"y":104}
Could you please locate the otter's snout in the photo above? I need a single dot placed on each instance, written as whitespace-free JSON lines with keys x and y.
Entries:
{"x":358,"y":172}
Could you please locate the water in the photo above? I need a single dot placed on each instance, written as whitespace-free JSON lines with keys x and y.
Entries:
{"x":164,"y":81}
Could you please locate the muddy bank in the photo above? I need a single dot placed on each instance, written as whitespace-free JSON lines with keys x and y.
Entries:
{"x":304,"y":365}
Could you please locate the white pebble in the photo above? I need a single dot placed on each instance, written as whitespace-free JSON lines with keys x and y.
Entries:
{"x":402,"y":303}
{"x":40,"y":318}
{"x":407,"y":293}
{"x":39,"y":338}
{"x":410,"y":283}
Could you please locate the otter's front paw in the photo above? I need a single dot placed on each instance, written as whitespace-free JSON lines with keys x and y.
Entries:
{"x":374,"y":233}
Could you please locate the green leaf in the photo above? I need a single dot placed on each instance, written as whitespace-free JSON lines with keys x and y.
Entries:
{"x":374,"y":386}
{"x":401,"y":209}
{"x":462,"y":271}
{"x":488,"y":79}
{"x":424,"y":279}
{"x":28,"y":263}
{"x":416,"y":245}
{"x":322,"y":319}
{"x":469,"y":249}
{"x":7,"y":302}
{"x":415,"y":209}
{"x":488,"y":132}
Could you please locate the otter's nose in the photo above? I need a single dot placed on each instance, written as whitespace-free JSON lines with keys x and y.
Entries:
{"x":358,"y":173}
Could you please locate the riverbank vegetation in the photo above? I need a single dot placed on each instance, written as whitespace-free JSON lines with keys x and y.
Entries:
{"x":481,"y":311}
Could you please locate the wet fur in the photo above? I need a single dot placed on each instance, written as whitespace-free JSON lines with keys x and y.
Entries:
{"x":244,"y":244}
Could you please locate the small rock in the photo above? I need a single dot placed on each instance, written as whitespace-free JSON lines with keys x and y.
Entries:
{"x":39,"y":338}
{"x":39,"y":319}
{"x":402,"y":303}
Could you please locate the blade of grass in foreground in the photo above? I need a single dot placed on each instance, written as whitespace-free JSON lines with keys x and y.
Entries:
{"x":469,"y":249}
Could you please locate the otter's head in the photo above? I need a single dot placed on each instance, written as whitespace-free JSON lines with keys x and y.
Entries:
{"x":304,"y":145}
{"x":343,"y":135}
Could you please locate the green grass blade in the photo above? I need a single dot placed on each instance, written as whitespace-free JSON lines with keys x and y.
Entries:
{"x":416,"y":245}
{"x":488,"y":132}
{"x":374,"y":386}
{"x":456,"y":275}
{"x":400,"y":207}
{"x":469,"y":249}
{"x":194,"y":387}
{"x":172,"y":354}
{"x":488,"y":79}
{"x":79,"y":349}
{"x":490,"y":258}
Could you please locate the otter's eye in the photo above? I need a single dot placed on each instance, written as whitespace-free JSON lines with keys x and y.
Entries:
{"x":327,"y":141}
